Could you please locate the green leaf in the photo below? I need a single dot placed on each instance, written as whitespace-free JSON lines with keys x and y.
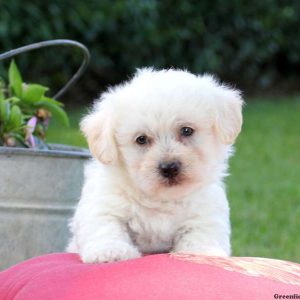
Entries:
{"x":15,"y":79}
{"x":33,"y":93}
{"x":2,"y":88}
{"x":15,"y":118}
{"x":56,"y":111}
{"x":13,"y":100}
{"x":4,"y":110}
{"x":53,"y":101}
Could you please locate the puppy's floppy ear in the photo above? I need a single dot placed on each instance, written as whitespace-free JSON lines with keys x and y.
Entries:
{"x":98,"y":130}
{"x":228,"y":116}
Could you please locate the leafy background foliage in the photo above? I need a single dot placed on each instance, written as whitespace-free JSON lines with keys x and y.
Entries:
{"x":255,"y":46}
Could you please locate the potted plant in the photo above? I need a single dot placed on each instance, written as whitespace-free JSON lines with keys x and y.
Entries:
{"x":39,"y":183}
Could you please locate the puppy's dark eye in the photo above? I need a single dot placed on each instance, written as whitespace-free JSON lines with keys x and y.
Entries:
{"x":142,"y":140}
{"x":186,"y":131}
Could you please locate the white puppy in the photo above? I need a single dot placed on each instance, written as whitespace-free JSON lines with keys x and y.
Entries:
{"x":161,"y":143}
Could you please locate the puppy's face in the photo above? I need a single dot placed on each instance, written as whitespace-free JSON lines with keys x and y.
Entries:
{"x":167,"y":150}
{"x":169,"y":130}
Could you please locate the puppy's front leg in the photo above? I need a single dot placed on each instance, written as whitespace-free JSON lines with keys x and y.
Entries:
{"x":109,"y":242}
{"x":100,"y":233}
{"x":203,"y":241}
{"x":206,"y":230}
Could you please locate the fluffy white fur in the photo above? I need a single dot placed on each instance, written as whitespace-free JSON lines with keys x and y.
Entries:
{"x":127,"y":208}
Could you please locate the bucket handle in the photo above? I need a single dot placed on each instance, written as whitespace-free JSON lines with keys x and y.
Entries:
{"x":59,"y":42}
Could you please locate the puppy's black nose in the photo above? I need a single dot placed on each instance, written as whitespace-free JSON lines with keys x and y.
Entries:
{"x":170,"y":169}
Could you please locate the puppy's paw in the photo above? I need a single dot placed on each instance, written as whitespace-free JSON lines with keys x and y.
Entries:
{"x":110,"y":252}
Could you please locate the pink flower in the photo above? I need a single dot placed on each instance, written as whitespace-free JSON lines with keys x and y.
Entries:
{"x":31,"y":124}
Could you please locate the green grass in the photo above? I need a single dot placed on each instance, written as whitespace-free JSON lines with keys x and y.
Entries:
{"x":264,"y":186}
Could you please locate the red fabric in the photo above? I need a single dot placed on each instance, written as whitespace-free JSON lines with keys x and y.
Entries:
{"x":64,"y":276}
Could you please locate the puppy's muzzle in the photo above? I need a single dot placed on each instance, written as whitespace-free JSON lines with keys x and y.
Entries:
{"x":170,"y":169}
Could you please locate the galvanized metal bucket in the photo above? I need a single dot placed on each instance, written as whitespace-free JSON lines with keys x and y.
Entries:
{"x":38,"y":192}
{"x":39,"y":188}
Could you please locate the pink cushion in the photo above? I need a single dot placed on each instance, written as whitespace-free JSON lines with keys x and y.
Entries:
{"x":163,"y":276}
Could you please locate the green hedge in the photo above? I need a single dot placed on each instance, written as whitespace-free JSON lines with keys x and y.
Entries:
{"x":252,"y":43}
